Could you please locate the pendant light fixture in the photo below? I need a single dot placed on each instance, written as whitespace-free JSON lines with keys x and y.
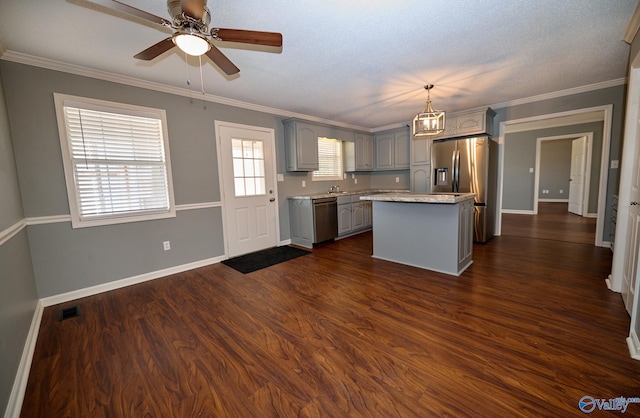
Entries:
{"x":429,"y":122}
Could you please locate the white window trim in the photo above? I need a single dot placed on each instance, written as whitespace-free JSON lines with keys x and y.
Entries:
{"x":62,"y":100}
{"x":314,"y":177}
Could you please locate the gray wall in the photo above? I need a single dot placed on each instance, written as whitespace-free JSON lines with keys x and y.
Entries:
{"x":18,"y":294}
{"x":555,"y":169}
{"x":67,"y":259}
{"x":520,"y":155}
{"x":615,"y":96}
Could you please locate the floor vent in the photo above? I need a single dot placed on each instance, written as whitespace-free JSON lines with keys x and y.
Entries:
{"x":69,"y":313}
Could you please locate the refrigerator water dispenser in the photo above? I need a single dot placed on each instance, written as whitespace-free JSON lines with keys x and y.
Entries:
{"x":441,"y":176}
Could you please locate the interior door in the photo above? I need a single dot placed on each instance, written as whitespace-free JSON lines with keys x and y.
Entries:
{"x":576,"y":180}
{"x":632,"y":242}
{"x":246,"y":156}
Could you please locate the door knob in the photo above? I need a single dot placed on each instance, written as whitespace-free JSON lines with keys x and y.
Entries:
{"x":634,"y":203}
{"x":273,"y":199}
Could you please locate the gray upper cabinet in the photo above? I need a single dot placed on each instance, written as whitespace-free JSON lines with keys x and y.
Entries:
{"x":392,"y":150}
{"x":358,"y":155}
{"x":364,"y":152}
{"x":301,"y":144}
{"x":467,"y":123}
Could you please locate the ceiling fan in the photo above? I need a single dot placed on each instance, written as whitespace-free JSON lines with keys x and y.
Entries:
{"x":190,"y":23}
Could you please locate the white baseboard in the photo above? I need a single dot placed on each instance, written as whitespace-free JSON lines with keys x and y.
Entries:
{"x":634,"y":345}
{"x":285,"y":242}
{"x":518,"y":211}
{"x":22,"y":376}
{"x":554,"y":200}
{"x":117,"y":284}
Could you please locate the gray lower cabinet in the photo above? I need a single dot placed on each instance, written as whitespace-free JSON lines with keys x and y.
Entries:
{"x":301,"y":222}
{"x":466,"y":213}
{"x":301,"y":145}
{"x":354,"y":215}
{"x":392,"y":150}
{"x":345,"y":225}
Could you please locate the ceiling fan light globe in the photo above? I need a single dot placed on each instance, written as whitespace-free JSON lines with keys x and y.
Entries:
{"x":191,"y":44}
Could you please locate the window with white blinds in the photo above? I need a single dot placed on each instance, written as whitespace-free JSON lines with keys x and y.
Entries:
{"x":116,"y":161}
{"x":329,"y":160}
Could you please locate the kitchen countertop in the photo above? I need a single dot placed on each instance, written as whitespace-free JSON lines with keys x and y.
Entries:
{"x":352,"y":192}
{"x":449,"y":198}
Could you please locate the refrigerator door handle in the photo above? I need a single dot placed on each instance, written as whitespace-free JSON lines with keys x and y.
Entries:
{"x":456,"y":170}
{"x":454,"y":174}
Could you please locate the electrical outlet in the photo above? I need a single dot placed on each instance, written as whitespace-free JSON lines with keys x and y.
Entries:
{"x":355,"y":181}
{"x":166,"y":245}
{"x":561,"y":191}
{"x":614,"y":163}
{"x":531,"y":170}
{"x":304,"y":183}
{"x":397,"y":179}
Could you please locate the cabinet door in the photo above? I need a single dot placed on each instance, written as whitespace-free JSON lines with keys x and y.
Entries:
{"x":421,"y":179}
{"x":307,"y":148}
{"x":471,"y":123}
{"x":420,"y":151}
{"x":357,"y":216}
{"x":401,"y":150}
{"x":344,"y":219}
{"x":384,"y":152}
{"x":465,"y":230}
{"x":364,"y":152}
{"x":368,"y":213}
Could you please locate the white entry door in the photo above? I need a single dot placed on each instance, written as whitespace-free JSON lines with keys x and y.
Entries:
{"x":576,"y":182}
{"x":246,"y":159}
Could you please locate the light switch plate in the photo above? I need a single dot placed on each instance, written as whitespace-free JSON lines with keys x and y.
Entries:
{"x":531,"y":170}
{"x":280,"y":177}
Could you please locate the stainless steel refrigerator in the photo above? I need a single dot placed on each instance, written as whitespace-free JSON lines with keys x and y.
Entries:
{"x":469,"y":165}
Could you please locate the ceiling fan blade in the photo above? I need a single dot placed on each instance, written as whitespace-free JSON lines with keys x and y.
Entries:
{"x":222,"y":61}
{"x":125,"y":8}
{"x":248,"y":36}
{"x":155,"y":50}
{"x":193,"y":8}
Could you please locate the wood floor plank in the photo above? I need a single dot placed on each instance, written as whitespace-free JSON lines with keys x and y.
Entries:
{"x":526,"y":331}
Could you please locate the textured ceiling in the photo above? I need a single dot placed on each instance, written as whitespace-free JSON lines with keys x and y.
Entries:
{"x":357,"y":62}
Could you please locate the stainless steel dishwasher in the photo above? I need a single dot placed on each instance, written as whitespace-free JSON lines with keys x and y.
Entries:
{"x":325,"y":219}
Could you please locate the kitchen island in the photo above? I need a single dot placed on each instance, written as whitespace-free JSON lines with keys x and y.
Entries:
{"x":430,"y":231}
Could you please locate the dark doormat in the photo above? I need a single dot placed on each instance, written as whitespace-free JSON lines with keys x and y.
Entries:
{"x":265,"y":258}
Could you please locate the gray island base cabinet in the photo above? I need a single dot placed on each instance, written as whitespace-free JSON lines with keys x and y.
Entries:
{"x":433,"y":232}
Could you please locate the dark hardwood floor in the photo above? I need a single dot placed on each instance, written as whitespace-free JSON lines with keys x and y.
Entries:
{"x":527,"y":331}
{"x":553,"y":222}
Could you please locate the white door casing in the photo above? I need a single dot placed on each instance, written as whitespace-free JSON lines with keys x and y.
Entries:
{"x":632,"y":241}
{"x":577,"y":176}
{"x":246,"y":161}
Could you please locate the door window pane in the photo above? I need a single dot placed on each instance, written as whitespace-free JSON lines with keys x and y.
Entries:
{"x":248,"y":167}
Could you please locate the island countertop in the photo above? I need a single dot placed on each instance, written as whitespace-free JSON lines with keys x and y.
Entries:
{"x":449,"y":198}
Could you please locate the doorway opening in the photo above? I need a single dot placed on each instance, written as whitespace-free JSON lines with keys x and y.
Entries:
{"x":512,"y":172}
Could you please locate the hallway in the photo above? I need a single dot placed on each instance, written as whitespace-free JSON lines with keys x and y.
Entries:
{"x":553,"y":222}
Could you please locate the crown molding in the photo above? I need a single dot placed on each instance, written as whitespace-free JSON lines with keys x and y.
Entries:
{"x":50,"y":64}
{"x":633,"y":26}
{"x":26,"y":59}
{"x":561,"y":93}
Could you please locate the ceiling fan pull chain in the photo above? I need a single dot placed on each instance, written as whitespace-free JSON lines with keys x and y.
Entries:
{"x":186,"y":63}
{"x":201,"y":77}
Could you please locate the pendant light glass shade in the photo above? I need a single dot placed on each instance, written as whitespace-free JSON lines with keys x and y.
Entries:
{"x":429,"y":122}
{"x":191,"y":44}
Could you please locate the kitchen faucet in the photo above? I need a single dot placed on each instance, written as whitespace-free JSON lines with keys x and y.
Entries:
{"x":334,"y":189}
